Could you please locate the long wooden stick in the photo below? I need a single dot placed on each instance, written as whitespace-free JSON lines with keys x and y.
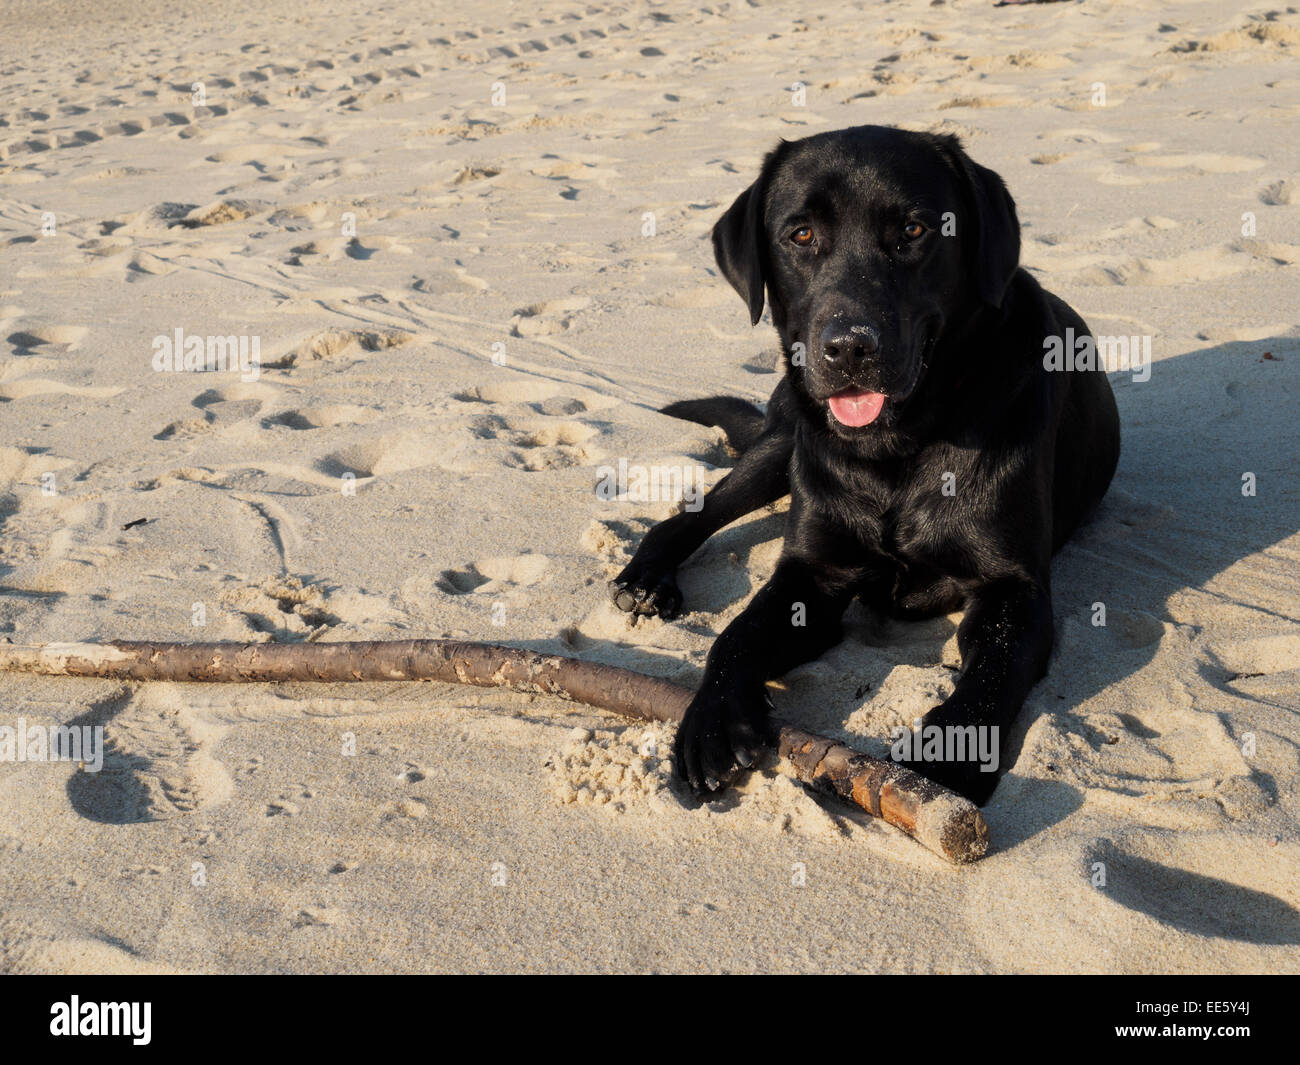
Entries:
{"x":942,"y":820}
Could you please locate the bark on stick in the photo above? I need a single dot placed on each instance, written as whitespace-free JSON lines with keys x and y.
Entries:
{"x":941,"y":820}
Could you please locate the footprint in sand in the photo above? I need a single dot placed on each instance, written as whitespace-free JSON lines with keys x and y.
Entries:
{"x":1080,"y":135}
{"x":1271,"y":251}
{"x":48,"y":341}
{"x":578,"y":168}
{"x":157,"y":759}
{"x":257,"y":155}
{"x":156,"y":220}
{"x":125,"y":263}
{"x":613,"y":541}
{"x":1166,"y":745}
{"x":327,"y":416}
{"x":536,"y":446}
{"x":336,"y":249}
{"x":222,"y":212}
{"x":113,"y":173}
{"x":1281,"y":193}
{"x":183,"y":428}
{"x":286,"y":606}
{"x":493,"y":576}
{"x":302,"y":216}
{"x":290,"y":802}
{"x":317,"y":916}
{"x":517,"y":438}
{"x":559,"y":406}
{"x":543,"y":319}
{"x":400,"y":810}
{"x":451,"y":281}
{"x":517,"y":391}
{"x":1249,"y":38}
{"x":1133,"y":227}
{"x":220,"y":407}
{"x":331,"y":345}
{"x":384,"y":455}
{"x":469,"y":174}
{"x":1161,"y":877}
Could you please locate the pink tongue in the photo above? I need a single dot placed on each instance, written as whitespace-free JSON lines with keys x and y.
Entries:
{"x":856,"y":408}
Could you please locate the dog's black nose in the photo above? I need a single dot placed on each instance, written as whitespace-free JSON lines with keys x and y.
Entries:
{"x":849,"y":340}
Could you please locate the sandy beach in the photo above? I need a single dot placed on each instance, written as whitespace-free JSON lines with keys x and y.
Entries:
{"x":470,"y":247}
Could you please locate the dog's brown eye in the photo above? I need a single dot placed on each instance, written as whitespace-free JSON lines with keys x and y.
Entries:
{"x":803,"y":236}
{"x":914,"y":231}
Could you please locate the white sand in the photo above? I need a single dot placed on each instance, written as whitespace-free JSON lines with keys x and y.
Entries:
{"x":522,"y":224}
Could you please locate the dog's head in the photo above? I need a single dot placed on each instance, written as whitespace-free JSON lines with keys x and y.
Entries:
{"x":868,"y":243}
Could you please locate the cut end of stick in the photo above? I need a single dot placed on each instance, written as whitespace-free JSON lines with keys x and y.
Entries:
{"x":953,"y":826}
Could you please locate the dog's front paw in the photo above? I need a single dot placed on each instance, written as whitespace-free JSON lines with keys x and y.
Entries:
{"x":965,"y":778}
{"x":646,"y":591}
{"x":950,"y":752}
{"x":723,"y":733}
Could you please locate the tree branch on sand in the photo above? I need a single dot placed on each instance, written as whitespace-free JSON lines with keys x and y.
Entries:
{"x":941,"y":820}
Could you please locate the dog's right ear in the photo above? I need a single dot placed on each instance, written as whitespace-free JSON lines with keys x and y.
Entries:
{"x":740,"y":243}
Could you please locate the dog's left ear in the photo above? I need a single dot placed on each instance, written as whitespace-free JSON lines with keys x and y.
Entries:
{"x":740,"y":242}
{"x":997,"y":237}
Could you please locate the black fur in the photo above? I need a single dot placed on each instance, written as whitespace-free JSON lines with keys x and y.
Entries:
{"x":949,"y":330}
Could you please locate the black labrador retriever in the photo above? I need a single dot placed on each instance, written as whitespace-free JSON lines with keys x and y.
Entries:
{"x":932,"y":458}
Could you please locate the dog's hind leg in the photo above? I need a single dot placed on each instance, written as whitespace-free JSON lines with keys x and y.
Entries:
{"x":648,"y":584}
{"x":928,"y":599}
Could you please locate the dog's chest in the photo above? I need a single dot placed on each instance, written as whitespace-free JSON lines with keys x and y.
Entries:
{"x":920,"y":516}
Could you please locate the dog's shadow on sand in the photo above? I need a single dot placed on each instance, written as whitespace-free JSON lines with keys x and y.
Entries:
{"x":1195,"y":903}
{"x":1206,"y":480}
